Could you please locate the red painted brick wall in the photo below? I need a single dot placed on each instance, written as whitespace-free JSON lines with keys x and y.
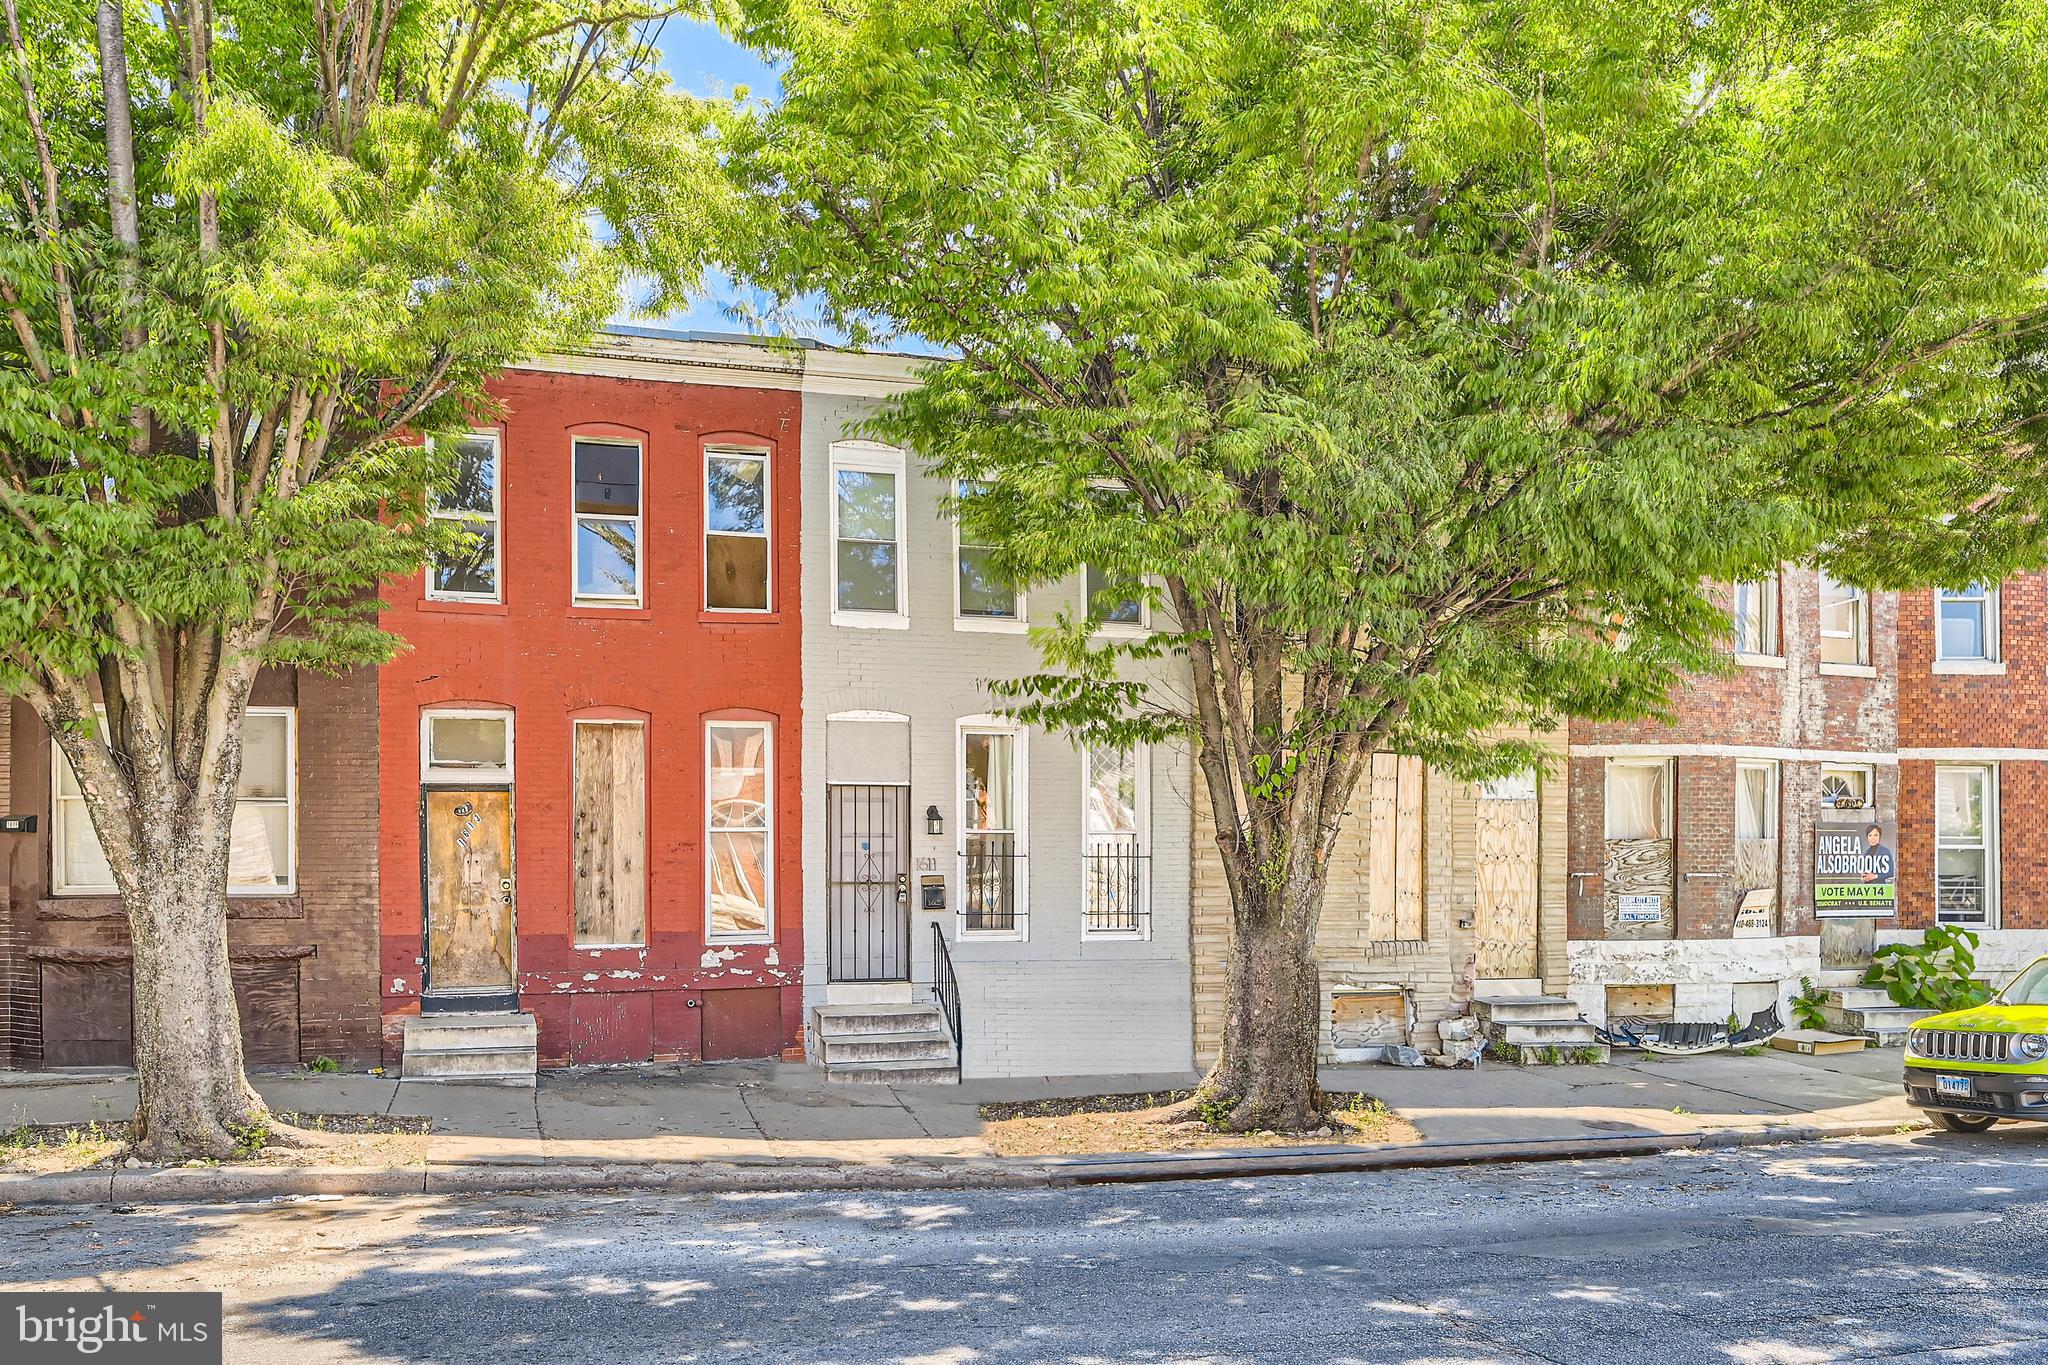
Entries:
{"x":2007,"y":710}
{"x":669,"y":660}
{"x":1797,"y":707}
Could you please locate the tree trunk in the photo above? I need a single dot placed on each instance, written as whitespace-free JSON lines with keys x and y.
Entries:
{"x":192,"y":1093}
{"x":1273,"y":1009}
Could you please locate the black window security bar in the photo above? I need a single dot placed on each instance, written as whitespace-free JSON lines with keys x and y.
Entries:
{"x":1114,"y":886}
{"x":988,"y":901}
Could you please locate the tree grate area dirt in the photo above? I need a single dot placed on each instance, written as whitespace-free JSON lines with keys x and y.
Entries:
{"x":334,"y":1139}
{"x":1131,"y":1123}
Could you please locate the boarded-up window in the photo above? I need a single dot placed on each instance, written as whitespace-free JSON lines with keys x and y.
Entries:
{"x":1394,"y":912}
{"x":611,"y":833}
{"x":1639,"y":900}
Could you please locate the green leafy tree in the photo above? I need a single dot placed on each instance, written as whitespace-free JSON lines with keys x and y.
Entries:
{"x":247,"y":251}
{"x":1428,"y":359}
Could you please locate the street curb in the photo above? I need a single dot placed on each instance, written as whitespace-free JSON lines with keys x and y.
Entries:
{"x":222,"y":1184}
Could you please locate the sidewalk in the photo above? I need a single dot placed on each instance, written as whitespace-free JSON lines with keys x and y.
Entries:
{"x":763,"y":1124}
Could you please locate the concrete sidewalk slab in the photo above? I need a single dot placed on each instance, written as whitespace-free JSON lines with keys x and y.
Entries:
{"x":99,"y":1099}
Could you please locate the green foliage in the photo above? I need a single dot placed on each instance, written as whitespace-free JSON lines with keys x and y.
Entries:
{"x":1806,"y":1006}
{"x":1938,"y":973}
{"x":323,"y":1065}
{"x":1214,"y":1109}
{"x":250,"y":1138}
{"x":1429,"y":360}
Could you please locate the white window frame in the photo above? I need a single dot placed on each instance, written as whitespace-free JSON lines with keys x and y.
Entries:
{"x":1992,"y":660}
{"x":1866,"y":651}
{"x":1020,"y":788}
{"x":646,"y":828}
{"x":497,"y":524}
{"x":995,"y":625}
{"x":1770,"y":589}
{"x":59,"y":817}
{"x":1988,"y":841}
{"x":770,"y":853}
{"x":766,"y":535}
{"x":432,"y":776}
{"x":1865,"y":770}
{"x":1771,"y":768}
{"x":608,"y":601}
{"x":869,"y":458}
{"x":1670,"y":779}
{"x":1140,"y":838}
{"x":1129,"y":629}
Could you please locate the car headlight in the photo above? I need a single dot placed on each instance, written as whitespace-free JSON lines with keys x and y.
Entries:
{"x":2030,"y":1047}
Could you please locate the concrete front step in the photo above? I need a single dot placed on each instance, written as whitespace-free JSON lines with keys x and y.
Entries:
{"x":910,"y":1072}
{"x":1860,"y":998}
{"x":1835,"y":978}
{"x":1888,"y":1026}
{"x":1492,"y":987}
{"x":840,"y":1021}
{"x":925,"y":1045}
{"x":1507,"y":1009}
{"x":471,"y":1047}
{"x":1547,"y":1033}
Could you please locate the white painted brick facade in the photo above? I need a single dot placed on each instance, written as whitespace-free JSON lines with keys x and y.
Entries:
{"x":1055,"y":1003}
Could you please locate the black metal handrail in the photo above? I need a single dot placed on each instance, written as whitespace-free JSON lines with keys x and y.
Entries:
{"x":946,"y":986}
{"x":1115,"y":888}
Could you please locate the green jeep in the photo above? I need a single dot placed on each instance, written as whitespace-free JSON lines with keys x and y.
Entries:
{"x":1973,"y":1067}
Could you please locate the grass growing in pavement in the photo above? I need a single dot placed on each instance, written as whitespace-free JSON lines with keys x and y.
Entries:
{"x":352,"y":1140}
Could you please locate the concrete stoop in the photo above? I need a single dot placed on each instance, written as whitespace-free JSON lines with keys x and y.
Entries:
{"x":889,"y":1044}
{"x":1868,"y":1011}
{"x":500,"y":1049}
{"x":1543,"y":1028}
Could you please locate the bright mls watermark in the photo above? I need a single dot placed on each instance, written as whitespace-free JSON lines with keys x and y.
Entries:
{"x":165,"y":1329}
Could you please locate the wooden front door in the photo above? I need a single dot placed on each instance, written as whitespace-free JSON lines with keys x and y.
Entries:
{"x":867,"y":832}
{"x":466,"y":851}
{"x":1506,"y":852}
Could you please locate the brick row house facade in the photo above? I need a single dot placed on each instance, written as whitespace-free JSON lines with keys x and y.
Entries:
{"x":690,"y":755}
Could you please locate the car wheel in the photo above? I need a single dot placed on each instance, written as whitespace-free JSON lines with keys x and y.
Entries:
{"x":1964,"y":1123}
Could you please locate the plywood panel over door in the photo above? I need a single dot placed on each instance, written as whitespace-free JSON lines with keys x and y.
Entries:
{"x":743,"y":1022}
{"x":1506,"y":836}
{"x":610,"y":853}
{"x":468,"y":853}
{"x":88,"y":1015}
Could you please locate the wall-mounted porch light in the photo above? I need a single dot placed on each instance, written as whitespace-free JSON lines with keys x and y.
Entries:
{"x":933,"y":822}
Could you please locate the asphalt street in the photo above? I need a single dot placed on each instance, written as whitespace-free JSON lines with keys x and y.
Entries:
{"x":1897,"y":1249}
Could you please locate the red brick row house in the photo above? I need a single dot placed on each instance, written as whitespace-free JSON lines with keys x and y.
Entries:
{"x":589,"y":750}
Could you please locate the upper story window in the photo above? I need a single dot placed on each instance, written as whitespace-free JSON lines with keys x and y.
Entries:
{"x":982,"y":598}
{"x":469,"y":503}
{"x":1116,"y":601}
{"x":1966,"y":624}
{"x":607,"y":523}
{"x":1113,"y":842}
{"x":1844,"y":623}
{"x":736,"y":530}
{"x":464,"y":746}
{"x":992,"y":830}
{"x":867,"y":536}
{"x":261,"y":833}
{"x":739,"y":841}
{"x":1756,"y":616}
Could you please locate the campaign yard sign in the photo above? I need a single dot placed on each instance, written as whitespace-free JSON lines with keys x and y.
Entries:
{"x":1856,"y":865}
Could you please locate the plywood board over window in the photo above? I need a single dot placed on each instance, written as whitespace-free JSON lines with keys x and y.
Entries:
{"x":1394,"y":858}
{"x":611,"y":833}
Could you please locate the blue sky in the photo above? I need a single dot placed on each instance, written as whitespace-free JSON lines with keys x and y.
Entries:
{"x":704,"y":61}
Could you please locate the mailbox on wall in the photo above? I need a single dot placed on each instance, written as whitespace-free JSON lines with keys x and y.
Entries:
{"x":931,"y":893}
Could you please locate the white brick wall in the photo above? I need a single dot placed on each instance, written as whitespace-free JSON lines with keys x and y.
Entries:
{"x":1053,"y":1004}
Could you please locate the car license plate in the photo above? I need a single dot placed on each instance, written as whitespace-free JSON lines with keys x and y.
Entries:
{"x":1958,"y":1086}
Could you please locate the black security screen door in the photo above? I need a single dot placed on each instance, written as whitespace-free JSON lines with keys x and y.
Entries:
{"x":867,"y":829}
